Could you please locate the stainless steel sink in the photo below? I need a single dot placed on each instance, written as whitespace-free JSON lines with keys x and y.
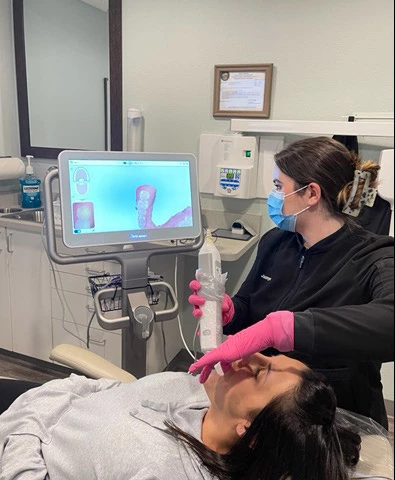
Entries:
{"x":36,"y":215}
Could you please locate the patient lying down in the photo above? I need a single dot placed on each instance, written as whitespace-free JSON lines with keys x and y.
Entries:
{"x":267,"y":418}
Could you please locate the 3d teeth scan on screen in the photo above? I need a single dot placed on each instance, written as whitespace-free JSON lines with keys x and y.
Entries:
{"x":145,"y":198}
{"x":124,"y":197}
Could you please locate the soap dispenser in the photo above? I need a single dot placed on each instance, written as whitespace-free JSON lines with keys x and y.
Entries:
{"x":30,"y":188}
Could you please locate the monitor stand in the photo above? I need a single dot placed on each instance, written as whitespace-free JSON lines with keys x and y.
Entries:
{"x":137,"y":317}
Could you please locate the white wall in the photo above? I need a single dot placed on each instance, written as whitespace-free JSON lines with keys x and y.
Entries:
{"x":330,"y":58}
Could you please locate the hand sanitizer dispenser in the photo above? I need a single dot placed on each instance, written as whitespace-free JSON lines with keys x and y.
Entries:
{"x":228,"y":165}
{"x":236,"y":170}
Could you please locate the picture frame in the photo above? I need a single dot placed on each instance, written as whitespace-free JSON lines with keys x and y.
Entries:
{"x":243,"y":90}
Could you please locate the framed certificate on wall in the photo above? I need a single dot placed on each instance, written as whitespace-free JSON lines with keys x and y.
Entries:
{"x":242,"y":90}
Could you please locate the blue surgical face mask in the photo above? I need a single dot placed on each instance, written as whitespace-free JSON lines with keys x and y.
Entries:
{"x":275,"y":203}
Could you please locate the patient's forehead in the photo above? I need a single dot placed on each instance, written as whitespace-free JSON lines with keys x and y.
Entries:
{"x":282,"y":361}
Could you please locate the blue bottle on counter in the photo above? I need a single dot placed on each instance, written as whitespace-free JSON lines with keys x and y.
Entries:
{"x":30,"y":188}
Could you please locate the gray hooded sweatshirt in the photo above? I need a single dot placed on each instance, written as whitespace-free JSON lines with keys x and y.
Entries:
{"x":83,"y":429}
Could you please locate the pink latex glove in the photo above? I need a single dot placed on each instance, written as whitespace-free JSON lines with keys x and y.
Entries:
{"x":228,"y":309}
{"x":275,"y":330}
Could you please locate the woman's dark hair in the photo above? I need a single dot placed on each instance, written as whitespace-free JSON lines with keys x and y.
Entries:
{"x":295,"y":436}
{"x":330,"y":164}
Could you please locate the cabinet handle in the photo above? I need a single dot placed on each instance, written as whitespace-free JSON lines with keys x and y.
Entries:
{"x":8,"y":240}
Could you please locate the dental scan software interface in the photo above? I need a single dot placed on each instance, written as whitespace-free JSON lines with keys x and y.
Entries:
{"x":124,"y":197}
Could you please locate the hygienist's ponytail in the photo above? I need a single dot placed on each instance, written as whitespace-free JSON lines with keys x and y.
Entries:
{"x":347,"y":183}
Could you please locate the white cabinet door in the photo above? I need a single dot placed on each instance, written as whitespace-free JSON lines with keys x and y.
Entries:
{"x":5,"y":311}
{"x":30,"y":291}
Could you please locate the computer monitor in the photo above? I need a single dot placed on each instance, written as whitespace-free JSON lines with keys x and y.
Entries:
{"x":110,"y":198}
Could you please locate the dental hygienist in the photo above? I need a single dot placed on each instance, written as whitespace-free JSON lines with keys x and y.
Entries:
{"x":321,"y":287}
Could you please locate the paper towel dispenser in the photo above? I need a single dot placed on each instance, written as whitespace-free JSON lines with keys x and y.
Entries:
{"x":11,"y":168}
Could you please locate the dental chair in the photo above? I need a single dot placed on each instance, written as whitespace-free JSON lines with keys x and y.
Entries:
{"x":376,"y":456}
{"x":88,"y":363}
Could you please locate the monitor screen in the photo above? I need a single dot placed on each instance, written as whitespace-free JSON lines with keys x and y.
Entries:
{"x":110,"y":198}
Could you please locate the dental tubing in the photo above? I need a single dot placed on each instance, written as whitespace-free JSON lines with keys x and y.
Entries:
{"x":212,"y":282}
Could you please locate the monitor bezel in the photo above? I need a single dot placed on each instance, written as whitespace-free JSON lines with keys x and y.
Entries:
{"x":175,"y":235}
